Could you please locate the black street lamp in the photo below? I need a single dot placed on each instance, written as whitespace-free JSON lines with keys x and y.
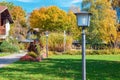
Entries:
{"x":83,"y":20}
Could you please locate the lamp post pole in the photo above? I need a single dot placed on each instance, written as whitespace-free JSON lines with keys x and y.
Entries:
{"x":64,"y":40}
{"x":47,"y":44}
{"x":83,"y":20}
{"x":83,"y":54}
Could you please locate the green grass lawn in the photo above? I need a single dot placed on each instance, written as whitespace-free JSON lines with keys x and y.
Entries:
{"x":64,"y":67}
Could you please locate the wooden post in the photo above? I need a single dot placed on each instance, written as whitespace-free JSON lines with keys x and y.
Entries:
{"x":0,"y":20}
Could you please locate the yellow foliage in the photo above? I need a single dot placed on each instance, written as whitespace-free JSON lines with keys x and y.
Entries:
{"x":53,"y":19}
{"x":18,"y":14}
{"x":103,"y":21}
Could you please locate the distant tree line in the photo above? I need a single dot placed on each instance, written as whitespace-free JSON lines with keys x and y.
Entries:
{"x":103,"y":28}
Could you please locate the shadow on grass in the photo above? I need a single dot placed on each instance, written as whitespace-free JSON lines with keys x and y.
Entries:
{"x":65,"y":69}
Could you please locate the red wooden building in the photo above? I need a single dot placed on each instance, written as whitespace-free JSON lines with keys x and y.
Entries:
{"x":5,"y":21}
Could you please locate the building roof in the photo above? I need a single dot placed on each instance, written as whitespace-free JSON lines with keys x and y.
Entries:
{"x":5,"y":13}
{"x":2,"y":8}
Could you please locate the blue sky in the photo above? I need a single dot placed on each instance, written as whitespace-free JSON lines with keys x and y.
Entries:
{"x":30,"y":5}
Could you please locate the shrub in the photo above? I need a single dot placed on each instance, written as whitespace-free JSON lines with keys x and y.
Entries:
{"x":38,"y":49}
{"x":72,"y":52}
{"x":101,"y":52}
{"x":32,"y":54}
{"x":55,"y":42}
{"x":21,"y":46}
{"x":7,"y":47}
{"x":35,"y":47}
{"x":44,"y":55}
{"x":93,"y":52}
{"x":32,"y":47}
{"x":38,"y":59}
{"x":27,"y":58}
{"x":78,"y":52}
{"x":115,"y":51}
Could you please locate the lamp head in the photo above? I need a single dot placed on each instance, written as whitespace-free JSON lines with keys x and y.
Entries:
{"x":83,"y":18}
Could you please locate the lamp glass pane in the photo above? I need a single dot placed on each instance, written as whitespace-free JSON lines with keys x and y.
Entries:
{"x":83,"y":19}
{"x":88,"y":21}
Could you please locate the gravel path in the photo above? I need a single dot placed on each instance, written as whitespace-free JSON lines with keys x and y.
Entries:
{"x":4,"y":61}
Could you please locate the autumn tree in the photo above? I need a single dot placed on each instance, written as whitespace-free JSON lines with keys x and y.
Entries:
{"x":73,"y":29}
{"x":116,"y":6}
{"x":115,"y":3}
{"x":49,"y":18}
{"x":103,"y":21}
{"x":19,"y":17}
{"x":54,"y":19}
{"x":10,"y":5}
